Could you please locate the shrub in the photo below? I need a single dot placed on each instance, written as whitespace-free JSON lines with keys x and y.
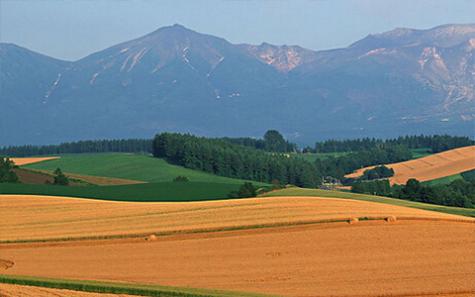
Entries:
{"x":181,"y":178}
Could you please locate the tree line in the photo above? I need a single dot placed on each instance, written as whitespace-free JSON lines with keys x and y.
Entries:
{"x":436,"y":143}
{"x":221,"y":157}
{"x":84,"y":146}
{"x":460,"y":192}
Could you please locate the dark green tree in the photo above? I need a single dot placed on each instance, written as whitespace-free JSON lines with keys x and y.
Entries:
{"x":274,"y":142}
{"x":60,"y":178}
{"x":7,"y":175}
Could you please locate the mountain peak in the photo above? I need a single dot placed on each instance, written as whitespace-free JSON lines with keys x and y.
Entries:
{"x":177,"y":29}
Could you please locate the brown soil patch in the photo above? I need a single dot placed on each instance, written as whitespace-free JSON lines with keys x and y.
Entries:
{"x":370,"y":258}
{"x":26,"y":161}
{"x":7,"y":290}
{"x":31,"y":177}
{"x":431,"y":167}
{"x":27,"y":217}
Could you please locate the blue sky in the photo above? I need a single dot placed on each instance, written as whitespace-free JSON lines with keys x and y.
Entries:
{"x":71,"y":29}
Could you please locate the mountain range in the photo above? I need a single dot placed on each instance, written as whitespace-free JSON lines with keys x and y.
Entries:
{"x":404,"y":81}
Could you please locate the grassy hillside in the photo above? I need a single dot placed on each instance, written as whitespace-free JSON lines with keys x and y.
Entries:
{"x":163,"y":191}
{"x":443,"y":180}
{"x":420,"y":152}
{"x":128,"y":166}
{"x":470,"y":212}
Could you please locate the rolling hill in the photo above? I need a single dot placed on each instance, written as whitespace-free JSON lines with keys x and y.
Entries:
{"x":175,"y":79}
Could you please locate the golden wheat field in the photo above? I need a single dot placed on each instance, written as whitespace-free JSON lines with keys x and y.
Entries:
{"x":431,"y":167}
{"x":411,"y":253}
{"x":30,"y":160}
{"x":33,"y":217}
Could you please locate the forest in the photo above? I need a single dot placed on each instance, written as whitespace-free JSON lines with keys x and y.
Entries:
{"x":221,"y":157}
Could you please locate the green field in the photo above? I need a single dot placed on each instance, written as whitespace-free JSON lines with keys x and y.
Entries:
{"x":294,"y":191}
{"x":420,"y":152}
{"x":128,"y":166}
{"x":164,"y":191}
{"x":312,"y":157}
{"x":119,"y":288}
{"x":443,"y":180}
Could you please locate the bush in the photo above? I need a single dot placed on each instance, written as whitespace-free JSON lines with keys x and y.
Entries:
{"x":181,"y":178}
{"x":377,"y":172}
{"x":245,"y":191}
{"x":60,"y":178}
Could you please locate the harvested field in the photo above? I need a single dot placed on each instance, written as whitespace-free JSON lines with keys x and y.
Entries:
{"x":368,"y":258}
{"x":32,"y":160}
{"x":45,"y":217}
{"x":431,"y":167}
{"x":7,"y":290}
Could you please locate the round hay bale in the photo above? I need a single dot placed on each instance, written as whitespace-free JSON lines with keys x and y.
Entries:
{"x":391,"y":219}
{"x":353,"y":220}
{"x":151,"y":237}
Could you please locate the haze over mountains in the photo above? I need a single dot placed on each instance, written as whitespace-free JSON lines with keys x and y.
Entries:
{"x":403,"y":81}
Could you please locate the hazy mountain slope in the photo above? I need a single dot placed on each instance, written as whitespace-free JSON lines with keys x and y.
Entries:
{"x":174,"y":79}
{"x":25,"y":80}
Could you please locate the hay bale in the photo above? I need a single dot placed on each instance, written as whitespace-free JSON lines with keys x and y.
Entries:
{"x":390,"y":219}
{"x":151,"y":237}
{"x":353,"y":221}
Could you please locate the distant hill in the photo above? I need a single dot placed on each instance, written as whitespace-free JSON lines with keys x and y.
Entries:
{"x":431,"y":167}
{"x":174,"y":79}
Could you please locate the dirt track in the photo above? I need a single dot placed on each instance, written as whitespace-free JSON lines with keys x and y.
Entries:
{"x":403,"y":258}
{"x":43,"y":217}
{"x":26,"y":161}
{"x":431,"y":167}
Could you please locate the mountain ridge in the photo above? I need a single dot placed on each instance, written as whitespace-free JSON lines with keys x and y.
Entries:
{"x":178,"y":79}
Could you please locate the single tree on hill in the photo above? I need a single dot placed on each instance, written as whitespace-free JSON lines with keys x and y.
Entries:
{"x":60,"y":178}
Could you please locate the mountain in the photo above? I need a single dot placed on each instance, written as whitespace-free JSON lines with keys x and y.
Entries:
{"x":175,"y":79}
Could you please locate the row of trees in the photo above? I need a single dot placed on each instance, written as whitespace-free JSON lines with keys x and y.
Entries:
{"x":220,"y":157}
{"x":86,"y":146}
{"x":273,"y":141}
{"x":459,"y":193}
{"x":437,"y":143}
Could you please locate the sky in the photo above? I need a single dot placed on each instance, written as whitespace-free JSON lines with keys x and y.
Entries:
{"x":72,"y":29}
